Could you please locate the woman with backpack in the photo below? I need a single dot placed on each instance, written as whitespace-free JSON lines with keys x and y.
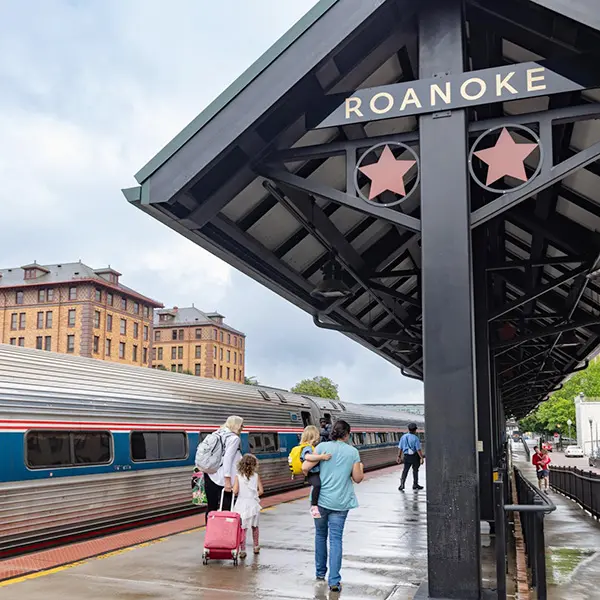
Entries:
{"x":226,"y":449}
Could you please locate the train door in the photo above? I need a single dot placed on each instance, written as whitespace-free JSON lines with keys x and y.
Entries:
{"x":313,"y":414}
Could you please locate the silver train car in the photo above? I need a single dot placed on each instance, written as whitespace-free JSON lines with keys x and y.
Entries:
{"x":92,"y":447}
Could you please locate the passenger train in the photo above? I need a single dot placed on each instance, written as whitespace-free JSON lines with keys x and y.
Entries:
{"x":91,"y":447}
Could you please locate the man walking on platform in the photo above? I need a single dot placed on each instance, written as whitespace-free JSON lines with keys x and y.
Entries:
{"x":410,"y":453}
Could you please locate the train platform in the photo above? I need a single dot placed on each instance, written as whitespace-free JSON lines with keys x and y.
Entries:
{"x":572,"y":545}
{"x":385,"y":556}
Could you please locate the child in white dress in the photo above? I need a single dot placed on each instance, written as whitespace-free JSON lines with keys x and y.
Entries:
{"x":247,"y":488}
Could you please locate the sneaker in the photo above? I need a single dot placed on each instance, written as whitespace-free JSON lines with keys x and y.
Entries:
{"x":314,"y":512}
{"x":401,"y":488}
{"x":320,"y":577}
{"x":335,"y":588}
{"x":417,"y":487}
{"x":256,"y":549}
{"x":242,"y":554}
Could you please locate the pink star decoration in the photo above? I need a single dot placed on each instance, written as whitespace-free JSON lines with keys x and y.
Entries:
{"x":387,"y":174}
{"x":506,"y":158}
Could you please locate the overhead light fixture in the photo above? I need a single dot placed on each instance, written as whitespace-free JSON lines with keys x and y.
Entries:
{"x":332,"y":285}
{"x":569,"y":338}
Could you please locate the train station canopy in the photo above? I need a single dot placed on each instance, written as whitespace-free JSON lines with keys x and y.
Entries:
{"x":272,"y":177}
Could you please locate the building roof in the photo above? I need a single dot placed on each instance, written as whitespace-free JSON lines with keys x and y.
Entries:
{"x":190,"y":316}
{"x":65,"y":273}
{"x":214,"y":184}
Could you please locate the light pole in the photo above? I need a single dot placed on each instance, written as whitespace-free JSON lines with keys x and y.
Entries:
{"x":569,"y":423}
{"x":591,"y":437}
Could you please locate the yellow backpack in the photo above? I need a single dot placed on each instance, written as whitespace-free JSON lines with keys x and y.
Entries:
{"x":294,"y":459}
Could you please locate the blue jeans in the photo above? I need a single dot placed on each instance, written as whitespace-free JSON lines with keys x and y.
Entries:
{"x":331,"y":522}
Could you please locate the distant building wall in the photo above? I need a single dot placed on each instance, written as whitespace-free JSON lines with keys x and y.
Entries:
{"x":588,"y":437}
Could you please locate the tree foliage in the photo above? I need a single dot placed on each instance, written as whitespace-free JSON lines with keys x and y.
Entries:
{"x":552,"y":416}
{"x":319,"y":386}
{"x":251,"y":380}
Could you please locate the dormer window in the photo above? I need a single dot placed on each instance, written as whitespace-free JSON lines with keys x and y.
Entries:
{"x":33,"y":271}
{"x":109,"y":275}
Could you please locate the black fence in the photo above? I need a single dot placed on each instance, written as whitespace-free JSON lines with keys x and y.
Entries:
{"x":581,"y":486}
{"x":532,"y":507}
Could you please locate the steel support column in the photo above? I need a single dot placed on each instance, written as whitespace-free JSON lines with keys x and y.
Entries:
{"x":454,"y":552}
{"x":482,"y":362}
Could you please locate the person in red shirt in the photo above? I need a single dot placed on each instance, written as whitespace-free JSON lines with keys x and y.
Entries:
{"x":542,"y":466}
{"x":535,"y":459}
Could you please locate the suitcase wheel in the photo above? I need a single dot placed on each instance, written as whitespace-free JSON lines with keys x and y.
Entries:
{"x":205,"y":561}
{"x":205,"y":557}
{"x":235,"y":562}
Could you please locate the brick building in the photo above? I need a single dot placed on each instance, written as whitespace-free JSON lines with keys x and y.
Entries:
{"x":187,"y":339}
{"x":74,"y":309}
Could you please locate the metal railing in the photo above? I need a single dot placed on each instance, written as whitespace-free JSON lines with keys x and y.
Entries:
{"x":532,"y":507}
{"x":527,"y":450}
{"x":579,"y":485}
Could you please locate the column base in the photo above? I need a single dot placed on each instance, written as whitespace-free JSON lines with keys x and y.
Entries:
{"x":423,"y":594}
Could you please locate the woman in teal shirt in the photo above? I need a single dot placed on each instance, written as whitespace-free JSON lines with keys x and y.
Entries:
{"x":337,"y":497}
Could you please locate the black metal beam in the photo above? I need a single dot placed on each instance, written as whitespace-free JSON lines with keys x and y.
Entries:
{"x":547,"y":331}
{"x":541,"y":262}
{"x":454,"y":547}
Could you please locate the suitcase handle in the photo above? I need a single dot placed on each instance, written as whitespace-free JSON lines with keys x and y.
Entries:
{"x":222,"y":497}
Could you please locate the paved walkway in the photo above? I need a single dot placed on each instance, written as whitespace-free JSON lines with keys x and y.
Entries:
{"x":573,"y":541}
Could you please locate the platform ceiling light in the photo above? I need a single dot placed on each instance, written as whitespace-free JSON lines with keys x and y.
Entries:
{"x":332,"y":285}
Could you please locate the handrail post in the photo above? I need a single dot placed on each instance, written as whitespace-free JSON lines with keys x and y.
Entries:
{"x":500,"y":518}
{"x":540,"y":551}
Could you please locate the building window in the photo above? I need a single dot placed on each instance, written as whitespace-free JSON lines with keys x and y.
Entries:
{"x":198,"y":351}
{"x":235,"y":374}
{"x":228,"y":372}
{"x":123,"y":303}
{"x":228,"y":355}
{"x":180,"y":352}
{"x":235,"y":358}
{"x":146,"y":333}
{"x":136,"y":330}
{"x":173,"y":352}
{"x":48,"y":343}
{"x":197,"y":369}
{"x":40,"y":320}
{"x":121,"y":349}
{"x":136,"y":308}
{"x":97,"y":319}
{"x":19,"y":297}
{"x":220,"y":353}
{"x":214,"y":370}
{"x":50,"y":295}
{"x":123,"y":328}
{"x":145,"y":355}
{"x":108,"y":322}
{"x":146,"y":311}
{"x":22,"y":342}
{"x":14,"y":321}
{"x":221,"y":371}
{"x":51,"y":449}
{"x":41,"y":295}
{"x":160,"y":353}
{"x":221,"y":336}
{"x":109,"y":299}
{"x":98,"y":295}
{"x":173,"y":368}
{"x":72,"y":314}
{"x":13,"y":341}
{"x":180,"y":368}
{"x":228,"y":338}
{"x":70,"y":344}
{"x":49,"y":319}
{"x":174,"y":334}
{"x":215,"y":334}
{"x":198,"y":334}
{"x":107,"y":347}
{"x":180,"y":334}
{"x":154,"y":353}
{"x":235,"y":340}
{"x":134,"y":355}
{"x":157,"y":336}
{"x":158,"y":445}
{"x":39,"y":342}
{"x":22,"y":320}
{"x":72,"y":293}
{"x":215,"y":352}
{"x":241,"y":358}
{"x":96,"y":344}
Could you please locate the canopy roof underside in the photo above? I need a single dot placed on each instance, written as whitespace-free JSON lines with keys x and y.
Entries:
{"x":205,"y":185}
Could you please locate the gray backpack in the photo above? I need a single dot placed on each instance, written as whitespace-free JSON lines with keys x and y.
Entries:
{"x":211,"y":451}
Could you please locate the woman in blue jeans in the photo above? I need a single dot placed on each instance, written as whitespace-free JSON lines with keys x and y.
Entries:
{"x":337,"y":497}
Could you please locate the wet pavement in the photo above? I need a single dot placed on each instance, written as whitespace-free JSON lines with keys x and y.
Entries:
{"x":385,"y":553}
{"x":573,"y":547}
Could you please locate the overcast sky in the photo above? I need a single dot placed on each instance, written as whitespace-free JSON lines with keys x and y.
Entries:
{"x":92,"y":89}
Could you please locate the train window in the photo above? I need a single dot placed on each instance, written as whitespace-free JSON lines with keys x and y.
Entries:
{"x":306,"y":418}
{"x":381,"y":438}
{"x":158,"y":445}
{"x":358,"y":439}
{"x":334,"y":405}
{"x":263,"y":443}
{"x":46,"y":449}
{"x":283,"y":400}
{"x":202,"y":436}
{"x":343,"y":407}
{"x":264,"y":395}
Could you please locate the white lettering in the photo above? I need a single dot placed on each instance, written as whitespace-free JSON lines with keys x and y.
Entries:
{"x":446,"y":95}
{"x":388,"y":107}
{"x":411,"y":98}
{"x":482,"y":88}
{"x":502,"y":84}
{"x":353,"y":109}
{"x":531,"y":87}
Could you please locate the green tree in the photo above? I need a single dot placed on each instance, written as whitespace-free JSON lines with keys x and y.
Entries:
{"x":251,"y":380}
{"x":319,"y":386}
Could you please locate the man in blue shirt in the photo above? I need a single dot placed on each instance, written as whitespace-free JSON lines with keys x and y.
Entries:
{"x":410,"y":453}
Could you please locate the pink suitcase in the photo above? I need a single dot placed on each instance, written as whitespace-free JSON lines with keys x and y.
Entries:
{"x":223,"y":536}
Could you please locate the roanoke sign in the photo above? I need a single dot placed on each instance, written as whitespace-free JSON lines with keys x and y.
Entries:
{"x":513,"y":82}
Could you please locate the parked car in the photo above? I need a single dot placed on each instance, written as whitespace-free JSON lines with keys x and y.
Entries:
{"x":574,"y":452}
{"x":547,"y":446}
